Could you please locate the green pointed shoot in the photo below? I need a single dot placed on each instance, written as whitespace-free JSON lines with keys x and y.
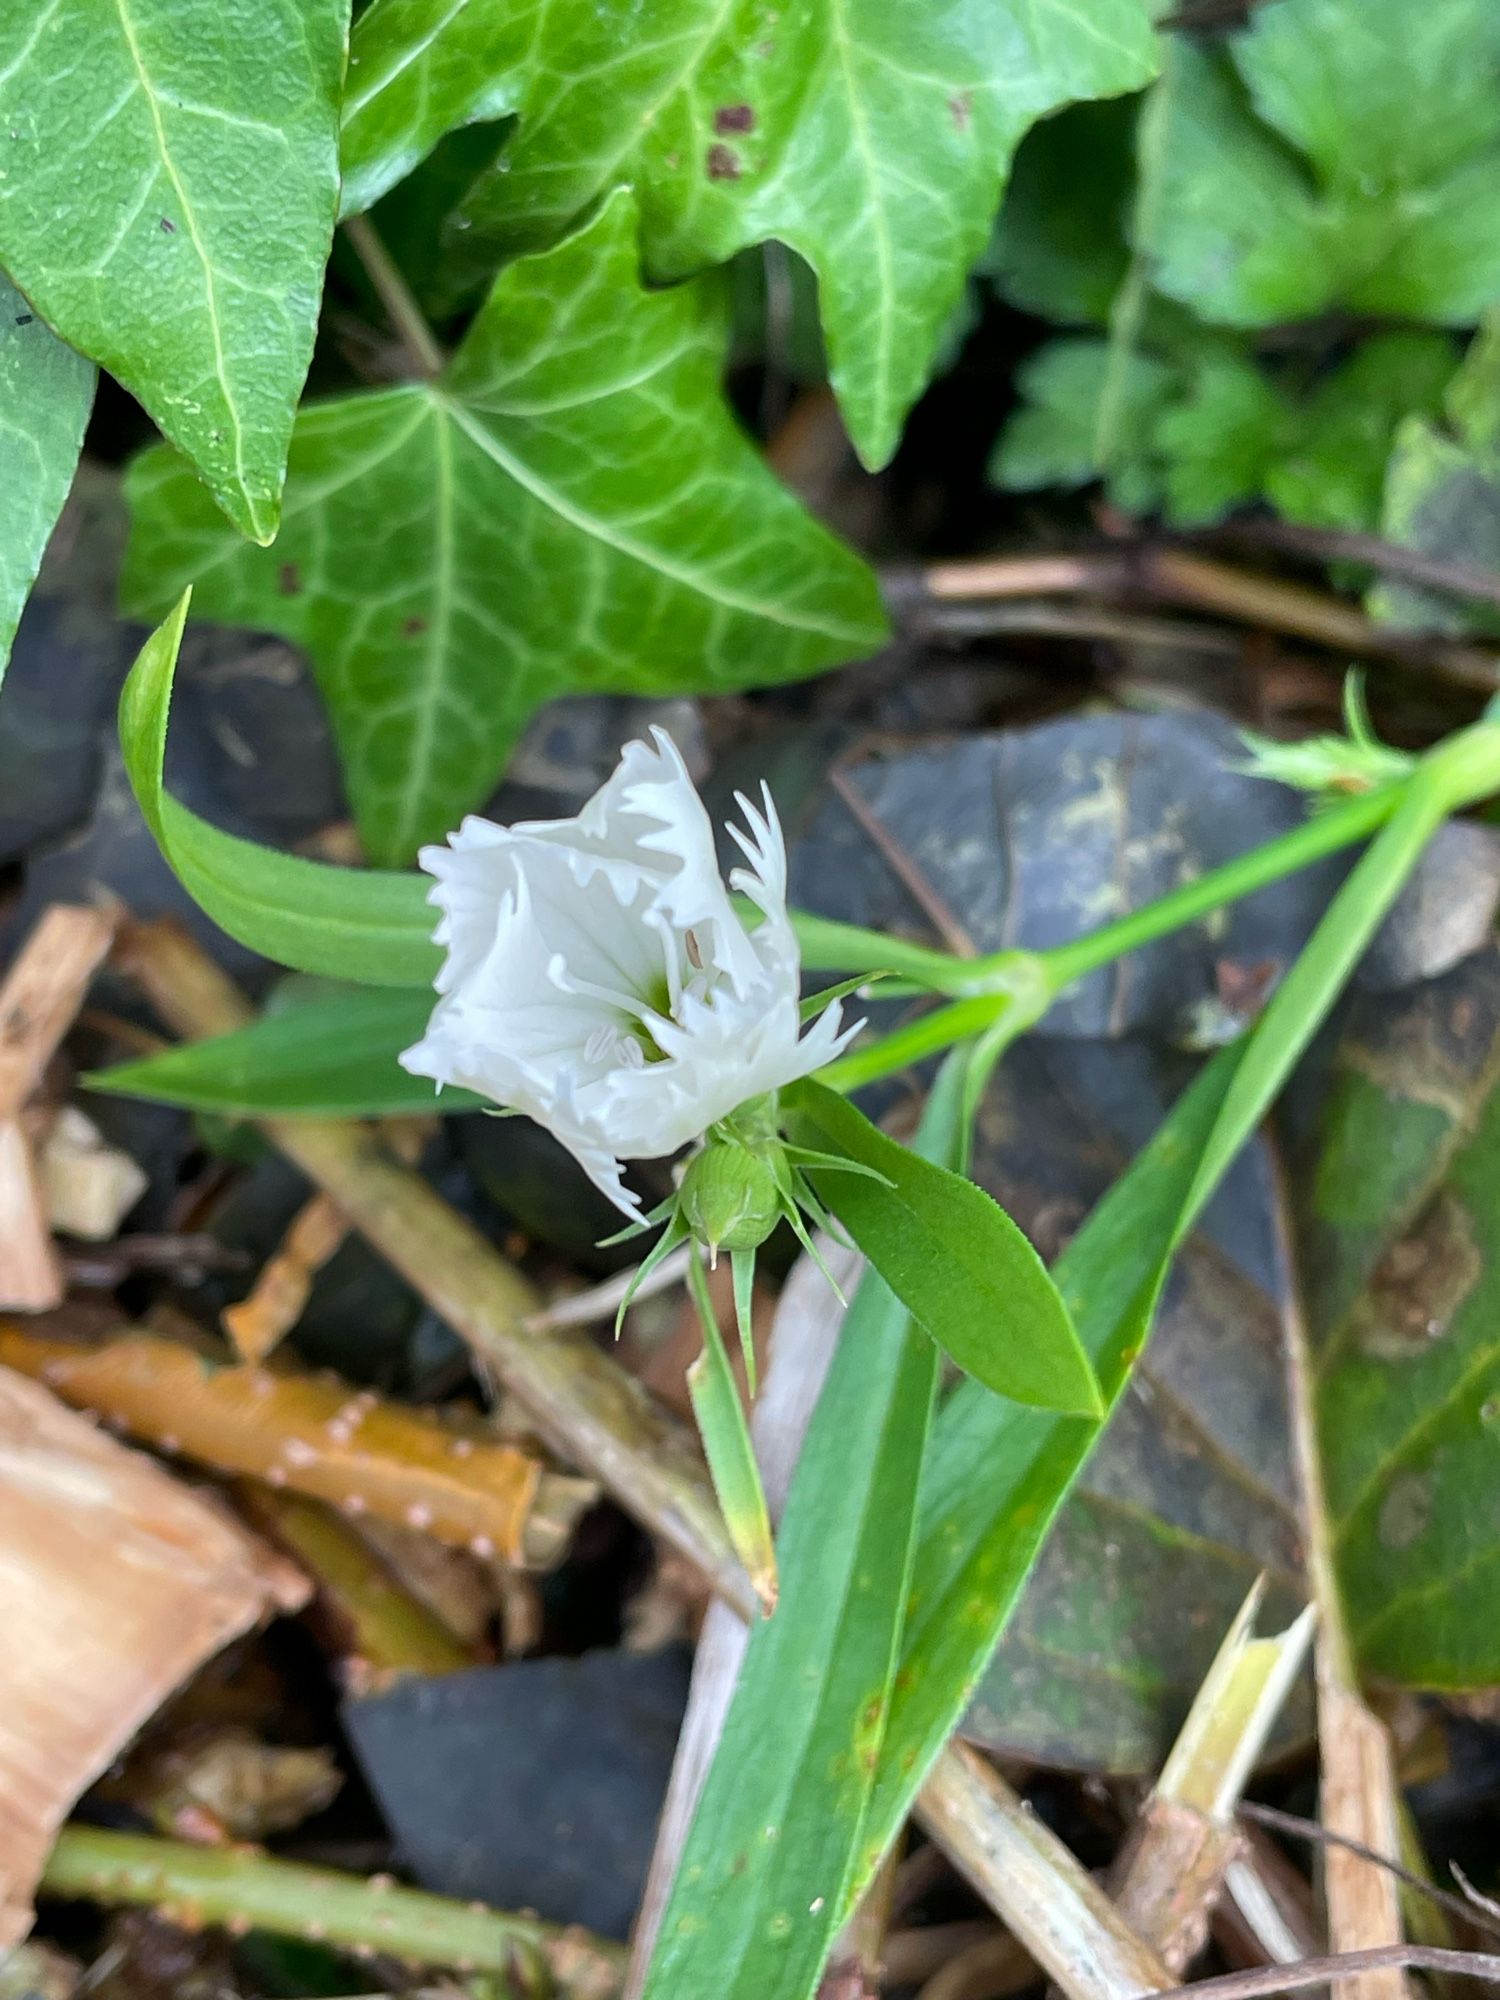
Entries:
{"x":727,"y":1446}
{"x":742,"y":1270}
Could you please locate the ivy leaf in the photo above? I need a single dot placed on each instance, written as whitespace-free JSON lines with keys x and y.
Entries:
{"x":418,"y":70}
{"x":872,"y":138}
{"x":171,"y":175}
{"x":1340,"y":153}
{"x":46,"y":391}
{"x":570,"y":507}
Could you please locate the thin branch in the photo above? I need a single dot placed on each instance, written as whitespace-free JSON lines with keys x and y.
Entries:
{"x":1322,"y":1836}
{"x":1390,"y":558}
{"x":427,"y":358}
{"x":1266,"y":1980}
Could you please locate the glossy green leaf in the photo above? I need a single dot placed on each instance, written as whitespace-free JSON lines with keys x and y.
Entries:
{"x":171,"y":177}
{"x":951,"y":1255}
{"x":345,"y":923}
{"x":996,"y":1474}
{"x":871,"y":137}
{"x":777,"y":1835}
{"x":46,"y":392}
{"x":419,"y":69}
{"x":1398,"y":1238}
{"x":1339,"y":153}
{"x":329,"y":1057}
{"x":571,"y":507}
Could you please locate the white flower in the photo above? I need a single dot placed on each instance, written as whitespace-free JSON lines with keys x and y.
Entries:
{"x":599,"y":979}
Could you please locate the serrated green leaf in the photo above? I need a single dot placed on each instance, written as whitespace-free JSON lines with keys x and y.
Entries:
{"x":171,"y":176}
{"x":1053,"y":439}
{"x":46,"y":392}
{"x":329,"y":1057}
{"x":951,"y":1255}
{"x":871,"y":137}
{"x":346,"y":923}
{"x":763,"y":1874}
{"x":1201,"y":427}
{"x":419,"y":69}
{"x":570,"y":507}
{"x":1442,"y":495}
{"x":1339,"y":153}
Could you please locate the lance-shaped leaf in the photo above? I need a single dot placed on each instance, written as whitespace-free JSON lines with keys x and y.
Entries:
{"x":951,"y":1255}
{"x":418,"y":69}
{"x":171,"y":177}
{"x":333,"y":1056}
{"x":346,"y":923}
{"x":570,"y":507}
{"x":872,"y":137}
{"x":46,"y":391}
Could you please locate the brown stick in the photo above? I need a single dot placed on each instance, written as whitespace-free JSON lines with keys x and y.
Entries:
{"x":1048,"y":1901}
{"x":589,"y":1410}
{"x":263,"y":1318}
{"x":1176,"y":576}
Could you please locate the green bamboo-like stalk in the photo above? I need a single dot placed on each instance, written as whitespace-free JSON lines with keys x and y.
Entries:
{"x":243,"y":1889}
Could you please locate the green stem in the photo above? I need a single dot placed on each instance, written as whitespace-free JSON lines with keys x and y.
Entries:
{"x":1456,"y":773}
{"x":244,"y":1889}
{"x":1318,"y":837}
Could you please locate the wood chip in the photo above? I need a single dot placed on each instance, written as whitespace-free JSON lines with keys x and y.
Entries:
{"x":262,"y":1320}
{"x":39,"y":999}
{"x":88,"y":1185}
{"x":116,"y":1583}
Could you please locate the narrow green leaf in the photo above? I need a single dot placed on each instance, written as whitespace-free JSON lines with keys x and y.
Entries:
{"x":727,"y":1446}
{"x":418,"y":69}
{"x":331,"y":1057}
{"x":46,"y":392}
{"x":756,"y":1899}
{"x":171,"y":176}
{"x":343,"y":922}
{"x":571,"y":508}
{"x":997,"y":1474}
{"x":952,"y":1256}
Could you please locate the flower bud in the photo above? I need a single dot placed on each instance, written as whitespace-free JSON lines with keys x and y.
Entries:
{"x":729,"y":1198}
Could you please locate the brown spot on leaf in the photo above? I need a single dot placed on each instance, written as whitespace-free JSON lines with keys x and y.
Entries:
{"x":289,"y":579}
{"x":961,"y":109}
{"x":734,"y":118}
{"x":1406,"y":1510}
{"x":168,"y":226}
{"x":413,"y":627}
{"x":723,"y":163}
{"x":1419,"y":1284}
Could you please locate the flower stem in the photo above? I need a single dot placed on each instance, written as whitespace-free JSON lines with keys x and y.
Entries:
{"x":245,"y":1889}
{"x":1455,"y":773}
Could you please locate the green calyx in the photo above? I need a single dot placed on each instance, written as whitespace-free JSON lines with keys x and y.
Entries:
{"x":731,"y":1195}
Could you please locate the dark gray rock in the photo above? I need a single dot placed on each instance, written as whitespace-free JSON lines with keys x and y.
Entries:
{"x":533,"y":1785}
